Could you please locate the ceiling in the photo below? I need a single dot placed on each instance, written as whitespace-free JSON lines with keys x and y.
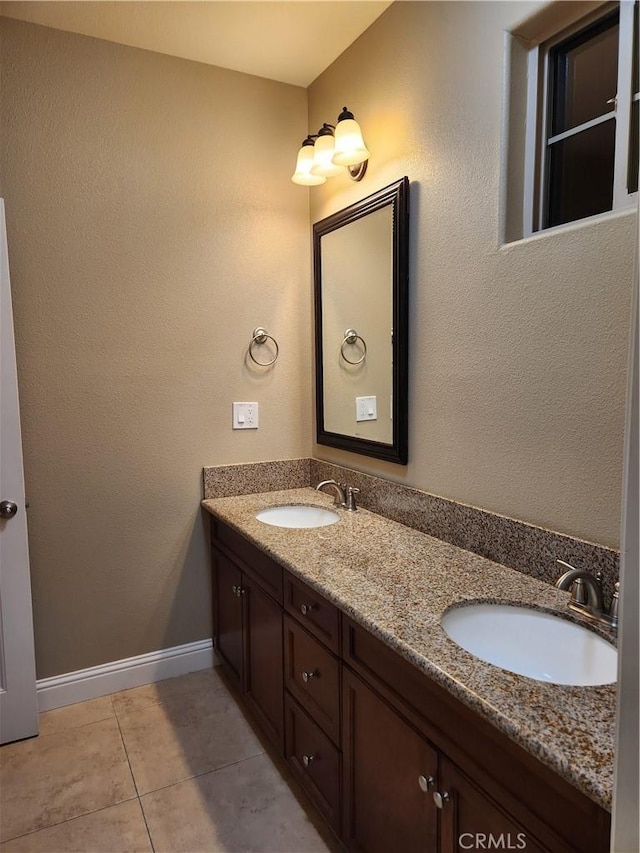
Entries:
{"x":292,"y":42}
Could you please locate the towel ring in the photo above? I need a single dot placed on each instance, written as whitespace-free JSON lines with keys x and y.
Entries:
{"x":350,"y":337}
{"x":260,"y":337}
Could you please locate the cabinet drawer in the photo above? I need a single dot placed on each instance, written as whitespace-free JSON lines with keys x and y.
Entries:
{"x":314,"y":760}
{"x":267,"y":572}
{"x":318,"y":616}
{"x":312,"y":676}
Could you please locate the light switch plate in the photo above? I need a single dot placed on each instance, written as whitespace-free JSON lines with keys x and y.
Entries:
{"x":366,"y":408}
{"x":245,"y":416}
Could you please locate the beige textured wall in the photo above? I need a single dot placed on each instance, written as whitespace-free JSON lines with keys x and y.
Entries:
{"x":517,"y":353}
{"x":149,"y":234}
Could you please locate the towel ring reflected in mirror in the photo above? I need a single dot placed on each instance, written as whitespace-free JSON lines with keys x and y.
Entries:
{"x":259,"y":337}
{"x":351,"y":337}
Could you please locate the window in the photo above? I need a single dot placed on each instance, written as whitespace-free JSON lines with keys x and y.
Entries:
{"x":584,"y":102}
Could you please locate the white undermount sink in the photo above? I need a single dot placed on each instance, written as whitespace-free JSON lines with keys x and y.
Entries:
{"x":533,"y":643}
{"x":300,"y":515}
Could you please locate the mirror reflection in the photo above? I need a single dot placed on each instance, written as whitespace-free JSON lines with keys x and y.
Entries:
{"x":360,"y":265}
{"x":357,"y":328}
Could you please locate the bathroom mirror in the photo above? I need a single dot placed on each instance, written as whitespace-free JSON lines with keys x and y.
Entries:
{"x":361,"y":265}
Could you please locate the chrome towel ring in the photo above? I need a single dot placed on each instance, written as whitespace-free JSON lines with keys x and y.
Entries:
{"x":351,"y":337}
{"x":259,"y":337}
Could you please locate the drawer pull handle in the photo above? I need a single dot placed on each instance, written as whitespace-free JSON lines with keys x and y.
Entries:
{"x":306,"y":609}
{"x":307,"y":676}
{"x":426,"y":782}
{"x":441,"y":799}
{"x":307,"y":759}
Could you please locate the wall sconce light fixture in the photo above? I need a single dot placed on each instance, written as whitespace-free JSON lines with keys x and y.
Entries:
{"x":325,"y":153}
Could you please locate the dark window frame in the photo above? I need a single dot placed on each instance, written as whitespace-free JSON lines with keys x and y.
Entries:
{"x":537,"y":216}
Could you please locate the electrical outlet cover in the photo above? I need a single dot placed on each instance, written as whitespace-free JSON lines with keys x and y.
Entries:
{"x":366,"y":408}
{"x":245,"y":416}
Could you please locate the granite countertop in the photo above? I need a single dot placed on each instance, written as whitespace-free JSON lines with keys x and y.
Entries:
{"x":397,"y":582}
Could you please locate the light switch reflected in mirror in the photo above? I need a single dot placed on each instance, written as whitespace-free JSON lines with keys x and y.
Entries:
{"x":361,"y":284}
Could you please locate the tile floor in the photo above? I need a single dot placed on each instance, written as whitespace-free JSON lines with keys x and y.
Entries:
{"x":172,"y":766}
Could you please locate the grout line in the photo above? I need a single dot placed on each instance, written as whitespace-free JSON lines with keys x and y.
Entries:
{"x":71,"y":728}
{"x":144,"y":818}
{"x":135,"y":784}
{"x":67,"y":820}
{"x":205,"y":773}
{"x":126,"y":753}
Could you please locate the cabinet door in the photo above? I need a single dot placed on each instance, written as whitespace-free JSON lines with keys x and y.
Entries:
{"x":262,"y":687}
{"x":228,"y":616}
{"x":472,"y":821}
{"x":384,"y":758}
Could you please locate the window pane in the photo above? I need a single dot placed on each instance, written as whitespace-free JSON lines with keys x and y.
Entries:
{"x":632,"y":183}
{"x":581,"y":174}
{"x":584,"y":75}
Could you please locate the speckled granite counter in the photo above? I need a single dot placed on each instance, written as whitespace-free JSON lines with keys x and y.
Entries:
{"x":397,"y":582}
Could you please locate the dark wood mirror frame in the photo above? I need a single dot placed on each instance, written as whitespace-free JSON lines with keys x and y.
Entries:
{"x":396,"y":195}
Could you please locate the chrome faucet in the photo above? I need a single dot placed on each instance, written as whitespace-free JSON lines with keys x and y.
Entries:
{"x":586,"y":595}
{"x":344,"y":495}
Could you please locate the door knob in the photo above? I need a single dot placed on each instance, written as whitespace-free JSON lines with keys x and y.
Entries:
{"x":8,"y":509}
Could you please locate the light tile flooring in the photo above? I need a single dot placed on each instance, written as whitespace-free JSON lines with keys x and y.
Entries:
{"x":172,"y":766}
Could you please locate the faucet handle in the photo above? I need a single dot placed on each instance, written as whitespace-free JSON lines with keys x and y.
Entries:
{"x":350,"y":497}
{"x":579,"y":592}
{"x":615,"y":602}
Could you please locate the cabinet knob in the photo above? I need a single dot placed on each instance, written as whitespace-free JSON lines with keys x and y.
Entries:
{"x":307,"y":676}
{"x":234,"y":589}
{"x":305,"y":609}
{"x":441,"y":799}
{"x":307,"y":759}
{"x":426,"y":782}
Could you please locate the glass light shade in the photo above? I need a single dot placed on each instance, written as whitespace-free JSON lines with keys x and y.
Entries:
{"x":349,"y":144}
{"x":302,"y":174}
{"x":323,"y":151}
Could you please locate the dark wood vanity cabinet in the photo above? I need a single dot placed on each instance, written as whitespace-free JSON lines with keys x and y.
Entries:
{"x":312,"y":680}
{"x":482,"y":786}
{"x":248,"y":635}
{"x":392,"y":761}
{"x":227,"y":580}
{"x":312,"y":677}
{"x":468,"y":816}
{"x":385,"y":808}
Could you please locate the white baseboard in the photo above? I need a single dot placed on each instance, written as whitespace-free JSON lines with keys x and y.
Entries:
{"x":123,"y":674}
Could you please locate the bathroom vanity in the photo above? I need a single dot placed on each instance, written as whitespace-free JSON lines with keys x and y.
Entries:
{"x":402,"y":740}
